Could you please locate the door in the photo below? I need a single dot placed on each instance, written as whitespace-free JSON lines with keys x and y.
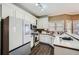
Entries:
{"x":5,"y":36}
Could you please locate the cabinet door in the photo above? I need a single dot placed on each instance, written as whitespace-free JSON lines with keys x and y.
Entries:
{"x":7,"y":10}
{"x":39,"y":23}
{"x":45,"y":39}
{"x":42,"y":38}
{"x":19,"y":14}
{"x":15,"y":33}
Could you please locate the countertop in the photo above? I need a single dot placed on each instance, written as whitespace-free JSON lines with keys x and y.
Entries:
{"x":73,"y":44}
{"x":74,"y":35}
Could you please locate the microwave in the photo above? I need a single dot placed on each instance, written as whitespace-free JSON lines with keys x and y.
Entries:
{"x":33,"y":26}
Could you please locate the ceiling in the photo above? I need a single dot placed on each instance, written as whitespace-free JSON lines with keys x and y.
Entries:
{"x":51,"y":9}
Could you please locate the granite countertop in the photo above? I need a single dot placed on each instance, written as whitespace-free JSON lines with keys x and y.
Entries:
{"x":74,"y":44}
{"x":74,"y":35}
{"x":45,"y":34}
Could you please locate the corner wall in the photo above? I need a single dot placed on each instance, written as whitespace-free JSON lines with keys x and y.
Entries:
{"x":67,"y":21}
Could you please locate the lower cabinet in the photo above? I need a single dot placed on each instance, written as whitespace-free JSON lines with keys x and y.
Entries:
{"x":46,"y":39}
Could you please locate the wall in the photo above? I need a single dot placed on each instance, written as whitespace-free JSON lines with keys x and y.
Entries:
{"x":75,"y":17}
{"x":24,"y":50}
{"x":19,"y":15}
{"x":75,"y":23}
{"x":68,"y":19}
{"x":56,"y":25}
{"x":42,"y":23}
{"x":60,"y":18}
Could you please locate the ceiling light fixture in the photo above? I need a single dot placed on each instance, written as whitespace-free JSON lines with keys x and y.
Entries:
{"x":41,"y":6}
{"x":36,"y":4}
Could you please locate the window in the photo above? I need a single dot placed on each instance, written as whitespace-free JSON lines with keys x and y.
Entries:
{"x":76,"y":27}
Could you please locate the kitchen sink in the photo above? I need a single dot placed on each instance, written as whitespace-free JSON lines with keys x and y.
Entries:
{"x":67,"y":38}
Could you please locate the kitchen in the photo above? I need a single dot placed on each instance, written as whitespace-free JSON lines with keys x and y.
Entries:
{"x":65,"y":40}
{"x":26,"y":31}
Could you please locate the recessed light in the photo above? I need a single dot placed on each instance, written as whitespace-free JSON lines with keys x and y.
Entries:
{"x":37,"y":4}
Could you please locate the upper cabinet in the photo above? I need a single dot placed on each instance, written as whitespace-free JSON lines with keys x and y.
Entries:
{"x":7,"y":10}
{"x":14,"y":11}
{"x":18,"y":19}
{"x":42,"y":23}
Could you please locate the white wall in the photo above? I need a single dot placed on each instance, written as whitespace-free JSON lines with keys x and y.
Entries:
{"x":59,"y":24}
{"x":42,"y":23}
{"x":15,"y":26}
{"x":51,"y":26}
